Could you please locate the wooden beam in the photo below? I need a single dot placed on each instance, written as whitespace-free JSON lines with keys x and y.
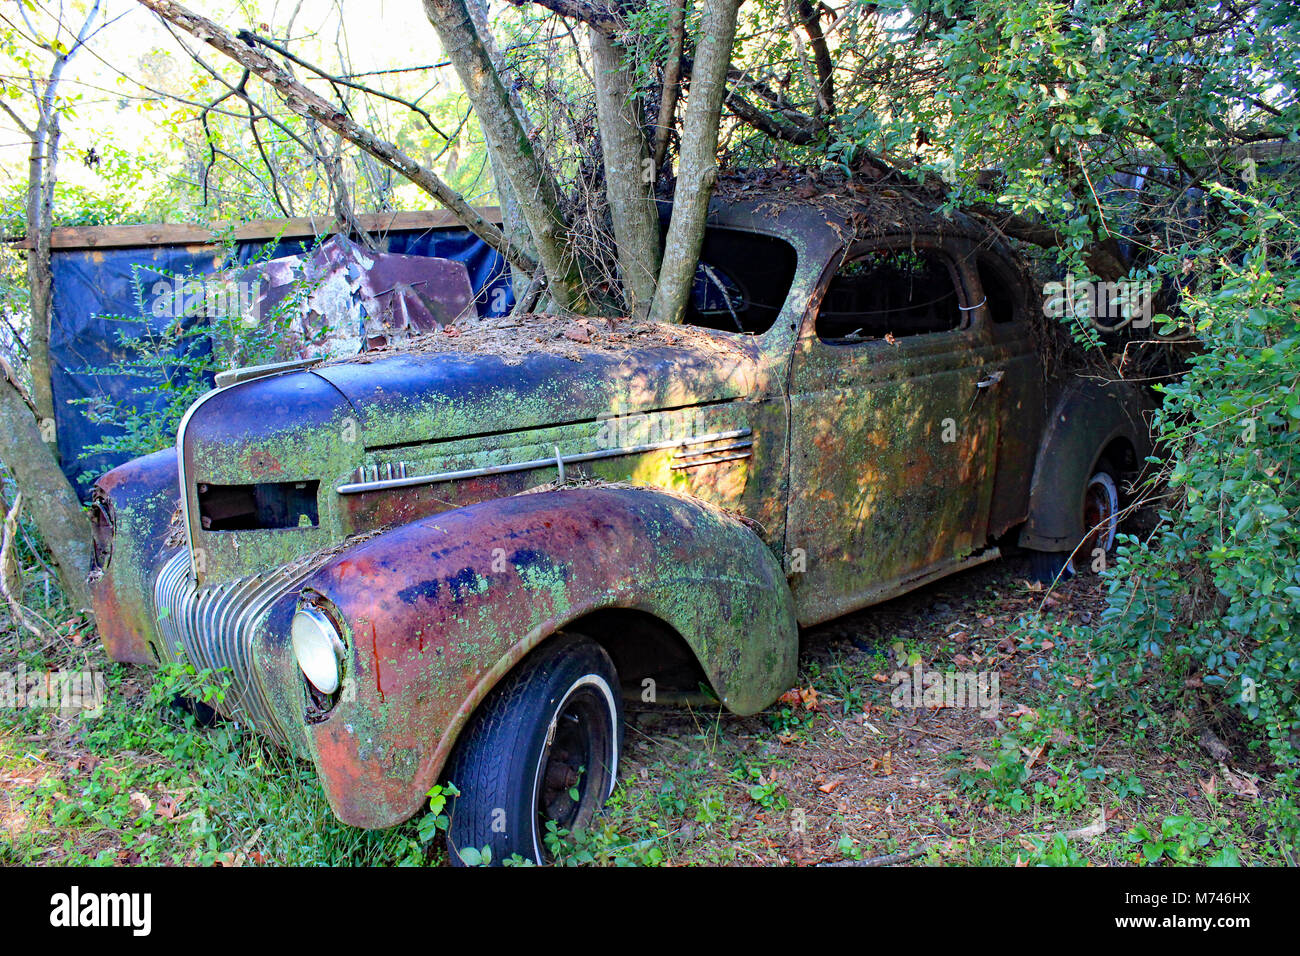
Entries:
{"x":173,"y":234}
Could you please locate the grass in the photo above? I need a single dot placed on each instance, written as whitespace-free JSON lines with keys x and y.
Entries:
{"x":144,"y":784}
{"x":835,"y":773}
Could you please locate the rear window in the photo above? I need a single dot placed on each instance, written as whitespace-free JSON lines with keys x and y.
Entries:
{"x":999,"y":290}
{"x":741,"y":282}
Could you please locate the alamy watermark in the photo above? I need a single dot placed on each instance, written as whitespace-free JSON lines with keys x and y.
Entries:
{"x":66,"y":690}
{"x":641,"y":430}
{"x":1104,"y":304}
{"x":77,"y":908}
{"x":917,"y":687}
{"x":211,"y":297}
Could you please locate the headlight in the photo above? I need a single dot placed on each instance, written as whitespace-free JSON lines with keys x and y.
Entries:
{"x":318,"y":647}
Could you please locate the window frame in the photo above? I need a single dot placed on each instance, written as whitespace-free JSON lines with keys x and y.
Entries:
{"x":1006,"y":273}
{"x":973,"y":318}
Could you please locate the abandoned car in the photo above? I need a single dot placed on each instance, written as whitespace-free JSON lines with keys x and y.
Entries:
{"x":450,"y":559}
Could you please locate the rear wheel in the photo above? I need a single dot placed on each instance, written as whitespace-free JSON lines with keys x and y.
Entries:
{"x":1101,"y":509}
{"x":542,"y":749}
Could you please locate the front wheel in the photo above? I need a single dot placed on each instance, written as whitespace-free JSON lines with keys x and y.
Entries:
{"x":543,"y":748}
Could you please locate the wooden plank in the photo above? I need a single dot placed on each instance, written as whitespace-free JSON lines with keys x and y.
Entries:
{"x":172,"y":234}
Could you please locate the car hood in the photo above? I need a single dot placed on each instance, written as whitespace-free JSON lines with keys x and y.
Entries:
{"x":412,"y":396}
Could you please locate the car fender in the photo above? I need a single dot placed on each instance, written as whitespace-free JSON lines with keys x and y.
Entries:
{"x":437,"y":611}
{"x":135,"y":506}
{"x":1087,"y":418}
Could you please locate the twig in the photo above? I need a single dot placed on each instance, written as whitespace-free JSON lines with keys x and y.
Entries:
{"x":889,"y":859}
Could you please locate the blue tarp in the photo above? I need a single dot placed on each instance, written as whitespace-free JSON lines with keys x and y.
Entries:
{"x":93,"y":287}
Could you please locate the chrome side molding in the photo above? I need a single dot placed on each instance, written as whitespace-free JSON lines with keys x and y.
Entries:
{"x":365,"y":483}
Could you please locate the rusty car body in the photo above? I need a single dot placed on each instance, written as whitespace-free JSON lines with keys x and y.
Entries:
{"x":816,"y":438}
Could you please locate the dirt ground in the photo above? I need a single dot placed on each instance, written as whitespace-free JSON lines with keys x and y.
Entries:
{"x":837,"y":774}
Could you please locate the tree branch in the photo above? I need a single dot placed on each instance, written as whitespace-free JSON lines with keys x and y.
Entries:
{"x":307,"y":103}
{"x":810,"y":16}
{"x":672,"y":80}
{"x":601,"y":17}
{"x":698,"y":167}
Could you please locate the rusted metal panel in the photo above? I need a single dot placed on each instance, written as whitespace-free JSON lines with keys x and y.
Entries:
{"x":340,"y":298}
{"x":893,"y":450}
{"x":438,"y":610}
{"x":1087,"y":417}
{"x":287,"y":428}
{"x":411,"y":397}
{"x":136,"y":510}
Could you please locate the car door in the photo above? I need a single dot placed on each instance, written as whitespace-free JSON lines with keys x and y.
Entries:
{"x":1007,"y":303}
{"x":893,"y":427}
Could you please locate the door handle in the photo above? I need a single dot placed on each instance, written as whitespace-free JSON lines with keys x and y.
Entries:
{"x":993,"y":379}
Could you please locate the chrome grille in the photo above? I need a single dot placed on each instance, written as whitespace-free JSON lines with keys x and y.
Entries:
{"x":213,"y":628}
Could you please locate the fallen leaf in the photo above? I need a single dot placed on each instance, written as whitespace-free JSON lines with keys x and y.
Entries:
{"x":1241,"y":784}
{"x":168,"y":806}
{"x":1033,"y":755}
{"x":1209,"y":787}
{"x":1094,"y":829}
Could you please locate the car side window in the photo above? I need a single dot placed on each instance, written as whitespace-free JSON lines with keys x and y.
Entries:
{"x":999,"y":290}
{"x":889,"y":294}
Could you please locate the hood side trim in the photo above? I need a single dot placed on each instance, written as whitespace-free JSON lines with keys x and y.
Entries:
{"x":385,"y":484}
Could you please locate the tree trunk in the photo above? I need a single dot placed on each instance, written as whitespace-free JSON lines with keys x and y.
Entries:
{"x":629,"y":176}
{"x":40,"y":200}
{"x":672,"y":81}
{"x":512,"y":218}
{"x":58,"y":514}
{"x":503,"y":131}
{"x":41,"y":178}
{"x":698,"y":166}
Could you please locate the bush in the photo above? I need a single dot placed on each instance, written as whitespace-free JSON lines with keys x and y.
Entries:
{"x":1205,"y":612}
{"x":176,"y":361}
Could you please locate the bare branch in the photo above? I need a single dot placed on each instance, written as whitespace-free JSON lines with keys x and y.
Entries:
{"x":306,"y":102}
{"x":601,"y":17}
{"x":249,"y":37}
